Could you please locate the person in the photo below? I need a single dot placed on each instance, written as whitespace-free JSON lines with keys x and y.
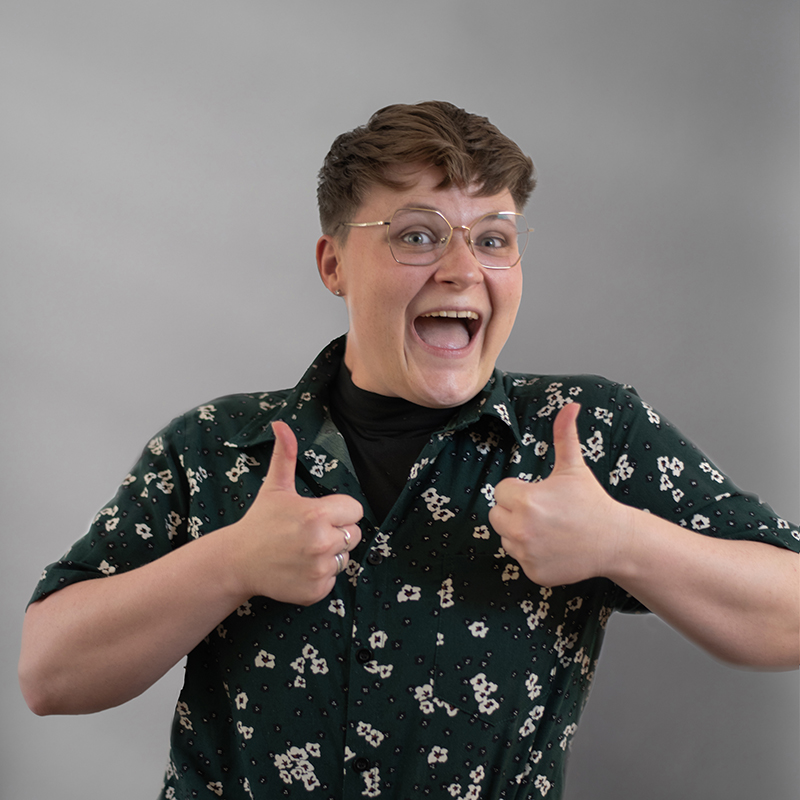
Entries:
{"x":393,"y":579}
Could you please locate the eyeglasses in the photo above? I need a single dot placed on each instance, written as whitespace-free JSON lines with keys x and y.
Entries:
{"x":418,"y":237}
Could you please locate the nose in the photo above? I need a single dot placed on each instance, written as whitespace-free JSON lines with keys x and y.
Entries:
{"x":458,"y":264}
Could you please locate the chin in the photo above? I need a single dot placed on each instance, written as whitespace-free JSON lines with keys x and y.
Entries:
{"x":446,"y":394}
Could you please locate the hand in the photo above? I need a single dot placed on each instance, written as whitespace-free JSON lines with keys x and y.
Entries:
{"x":566,"y":528}
{"x":285,"y":546}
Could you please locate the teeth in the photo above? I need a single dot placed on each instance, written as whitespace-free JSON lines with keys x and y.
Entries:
{"x":453,"y":314}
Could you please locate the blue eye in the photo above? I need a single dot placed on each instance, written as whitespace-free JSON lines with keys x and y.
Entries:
{"x":418,"y":239}
{"x":491,"y":243}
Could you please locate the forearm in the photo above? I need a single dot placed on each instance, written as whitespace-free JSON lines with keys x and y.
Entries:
{"x":101,"y":642}
{"x":738,"y":600}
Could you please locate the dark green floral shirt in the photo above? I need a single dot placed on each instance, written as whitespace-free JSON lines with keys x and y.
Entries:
{"x":435,"y":667}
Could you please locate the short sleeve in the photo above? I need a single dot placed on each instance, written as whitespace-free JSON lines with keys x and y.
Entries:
{"x":654,"y":467}
{"x":146,"y":519}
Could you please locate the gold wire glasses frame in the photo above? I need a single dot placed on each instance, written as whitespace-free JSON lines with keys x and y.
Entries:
{"x":419,"y":237}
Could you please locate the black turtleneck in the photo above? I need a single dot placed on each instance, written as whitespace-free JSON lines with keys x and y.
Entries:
{"x":384,"y":436}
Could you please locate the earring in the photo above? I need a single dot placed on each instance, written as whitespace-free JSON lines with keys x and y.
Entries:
{"x":338,"y":293}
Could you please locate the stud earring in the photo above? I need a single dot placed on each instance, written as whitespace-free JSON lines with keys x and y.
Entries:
{"x":338,"y":293}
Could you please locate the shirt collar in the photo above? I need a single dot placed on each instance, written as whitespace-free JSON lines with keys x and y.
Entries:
{"x":305,"y":408}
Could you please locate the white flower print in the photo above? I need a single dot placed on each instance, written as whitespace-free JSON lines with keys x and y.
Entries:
{"x":310,"y":656}
{"x":593,"y":449}
{"x":321,"y":463}
{"x":241,"y":700}
{"x":337,"y":607}
{"x":532,"y":685}
{"x":713,"y":473}
{"x":483,"y":446}
{"x":378,"y":640}
{"x":542,"y":784}
{"x":674,"y":465}
{"x":372,"y":783}
{"x":575,"y":603}
{"x":242,"y":465}
{"x":295,"y":765}
{"x":437,"y":755}
{"x":183,"y":715}
{"x":164,"y":482}
{"x":215,"y":787}
{"x":488,"y":492}
{"x":106,"y":512}
{"x":156,"y":446}
{"x":428,"y":703}
{"x":529,"y":726}
{"x":435,"y":503}
{"x":206,"y":413}
{"x":651,"y":415}
{"x":478,"y":629}
{"x":700,"y":523}
{"x":503,"y":412}
{"x":604,"y":415}
{"x":556,"y":400}
{"x":416,"y":468}
{"x":143,"y":530}
{"x":481,"y":532}
{"x":408,"y":592}
{"x":621,"y":472}
{"x":483,"y":688}
{"x":193,"y":525}
{"x":195,"y":479}
{"x":446,"y":593}
{"x":569,"y":731}
{"x":245,"y":609}
{"x":106,"y":568}
{"x":381,"y":670}
{"x":510,"y":573}
{"x":371,"y":735}
{"x":265,"y":659}
{"x":173,"y":521}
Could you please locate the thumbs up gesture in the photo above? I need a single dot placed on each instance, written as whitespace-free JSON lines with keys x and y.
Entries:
{"x":565,"y":528}
{"x":285,"y":547}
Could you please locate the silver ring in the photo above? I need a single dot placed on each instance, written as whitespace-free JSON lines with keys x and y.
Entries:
{"x":340,"y":562}
{"x":346,"y":537}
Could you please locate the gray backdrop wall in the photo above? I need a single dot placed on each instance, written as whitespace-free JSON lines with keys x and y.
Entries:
{"x":157,"y":178}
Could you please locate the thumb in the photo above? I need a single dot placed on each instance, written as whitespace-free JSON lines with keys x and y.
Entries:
{"x":566,"y":443}
{"x":280,"y":476}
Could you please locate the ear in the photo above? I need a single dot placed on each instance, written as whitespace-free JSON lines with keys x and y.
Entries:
{"x":329,"y":263}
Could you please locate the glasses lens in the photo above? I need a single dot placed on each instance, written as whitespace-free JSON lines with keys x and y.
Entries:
{"x":416,"y":236}
{"x":499,"y":240}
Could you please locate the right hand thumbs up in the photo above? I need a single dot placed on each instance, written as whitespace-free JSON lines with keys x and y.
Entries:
{"x":287,"y":545}
{"x":280,"y":476}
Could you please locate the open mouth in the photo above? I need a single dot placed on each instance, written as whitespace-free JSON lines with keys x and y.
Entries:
{"x":449,"y":330}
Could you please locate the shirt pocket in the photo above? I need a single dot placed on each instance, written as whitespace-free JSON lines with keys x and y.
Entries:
{"x":489,"y":661}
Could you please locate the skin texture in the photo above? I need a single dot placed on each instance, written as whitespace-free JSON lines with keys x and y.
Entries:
{"x":384,"y":352}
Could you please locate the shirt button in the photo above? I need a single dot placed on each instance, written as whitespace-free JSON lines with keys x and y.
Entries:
{"x":374,"y":557}
{"x":363,"y":655}
{"x":361,"y":764}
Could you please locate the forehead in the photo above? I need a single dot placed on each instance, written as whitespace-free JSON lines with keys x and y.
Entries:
{"x":421,"y":188}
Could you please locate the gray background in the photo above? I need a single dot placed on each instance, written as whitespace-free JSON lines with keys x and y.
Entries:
{"x":157,"y":178}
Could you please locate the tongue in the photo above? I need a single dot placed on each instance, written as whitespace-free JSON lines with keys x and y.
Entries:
{"x":444,"y":332}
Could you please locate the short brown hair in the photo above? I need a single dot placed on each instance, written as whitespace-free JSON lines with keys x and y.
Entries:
{"x":468,"y":148}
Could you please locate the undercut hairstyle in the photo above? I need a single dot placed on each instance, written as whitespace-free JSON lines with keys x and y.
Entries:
{"x":466,"y":147}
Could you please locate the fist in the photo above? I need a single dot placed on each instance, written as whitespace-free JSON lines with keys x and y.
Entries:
{"x":563,"y":529}
{"x":287,"y":546}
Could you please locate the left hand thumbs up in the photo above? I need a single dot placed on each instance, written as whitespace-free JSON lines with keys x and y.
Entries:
{"x":561,"y":529}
